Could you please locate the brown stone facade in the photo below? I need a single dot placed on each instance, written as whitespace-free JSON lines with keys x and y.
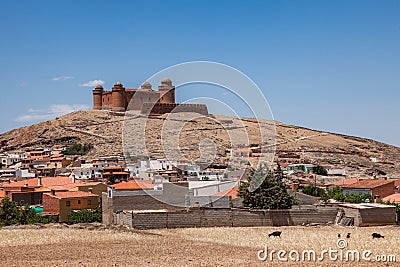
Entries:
{"x":144,"y":99}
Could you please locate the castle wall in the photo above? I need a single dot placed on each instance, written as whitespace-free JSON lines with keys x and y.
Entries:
{"x":106,"y":102}
{"x":145,"y":99}
{"x":141,"y":97}
{"x":162,"y":108}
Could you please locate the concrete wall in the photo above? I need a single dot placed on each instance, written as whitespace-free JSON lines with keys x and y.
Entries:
{"x":209,"y":217}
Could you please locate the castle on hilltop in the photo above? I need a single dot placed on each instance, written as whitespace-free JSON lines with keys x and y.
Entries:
{"x":145,"y":99}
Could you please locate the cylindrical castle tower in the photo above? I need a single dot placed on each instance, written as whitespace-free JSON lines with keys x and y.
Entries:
{"x":167,"y":91}
{"x":118,"y":97}
{"x":97,"y":97}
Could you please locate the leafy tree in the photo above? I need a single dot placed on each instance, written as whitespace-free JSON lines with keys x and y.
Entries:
{"x":356,"y":198}
{"x":85,"y":216}
{"x":313,"y":191}
{"x":13,"y":213}
{"x":77,"y":149}
{"x":265,"y":190}
{"x":112,"y":178}
{"x":320,"y":170}
{"x":337,"y":194}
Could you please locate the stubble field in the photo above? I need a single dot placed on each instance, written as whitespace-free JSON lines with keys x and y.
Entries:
{"x":189,"y":247}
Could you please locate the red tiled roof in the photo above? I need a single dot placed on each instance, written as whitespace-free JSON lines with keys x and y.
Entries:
{"x":369,"y":184}
{"x":46,"y":182}
{"x":2,"y":194}
{"x":345,"y":182}
{"x":74,"y":194}
{"x":116,"y":173}
{"x":112,"y":168}
{"x":232,"y":192}
{"x":392,"y":198}
{"x":134,"y":185}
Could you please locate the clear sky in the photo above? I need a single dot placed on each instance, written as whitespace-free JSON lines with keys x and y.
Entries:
{"x":328,"y":65}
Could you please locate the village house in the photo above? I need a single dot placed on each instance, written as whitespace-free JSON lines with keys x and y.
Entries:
{"x":62,"y":203}
{"x":115,"y":173}
{"x":381,"y":188}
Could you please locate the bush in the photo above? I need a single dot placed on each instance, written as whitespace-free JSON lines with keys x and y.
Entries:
{"x":13,"y":213}
{"x":320,"y":170}
{"x":337,"y":194}
{"x":313,"y":191}
{"x":85,"y":216}
{"x":77,"y":149}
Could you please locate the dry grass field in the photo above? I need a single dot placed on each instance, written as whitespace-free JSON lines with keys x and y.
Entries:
{"x":186,"y":247}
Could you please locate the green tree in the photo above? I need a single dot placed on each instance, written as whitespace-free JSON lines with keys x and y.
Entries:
{"x":320,"y":170}
{"x":112,"y":178}
{"x":13,"y":213}
{"x":265,"y":190}
{"x":77,"y":149}
{"x":311,"y":190}
{"x":86,"y":216}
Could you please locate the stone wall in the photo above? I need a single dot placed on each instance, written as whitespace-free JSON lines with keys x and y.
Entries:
{"x":211,"y":217}
{"x":162,"y":108}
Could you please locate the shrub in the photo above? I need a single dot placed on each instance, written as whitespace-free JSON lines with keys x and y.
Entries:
{"x":85,"y":216}
{"x":313,"y":191}
{"x":77,"y":149}
{"x":13,"y":213}
{"x":320,"y":170}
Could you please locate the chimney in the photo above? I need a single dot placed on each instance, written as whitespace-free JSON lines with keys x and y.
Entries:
{"x":90,"y":190}
{"x":294,"y":187}
{"x":53,"y":192}
{"x":377,"y":199}
{"x":25,"y":185}
{"x":40,"y":181}
{"x":73,"y":179}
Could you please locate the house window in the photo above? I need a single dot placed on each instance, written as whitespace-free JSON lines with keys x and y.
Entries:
{"x":79,"y":202}
{"x":89,"y":202}
{"x":68,"y":203}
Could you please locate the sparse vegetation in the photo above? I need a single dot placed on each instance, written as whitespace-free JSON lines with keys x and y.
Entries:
{"x":77,"y":149}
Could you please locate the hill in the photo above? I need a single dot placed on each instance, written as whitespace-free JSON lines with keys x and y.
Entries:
{"x":103,"y":130}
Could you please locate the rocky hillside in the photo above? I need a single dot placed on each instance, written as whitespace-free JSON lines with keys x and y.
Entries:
{"x":104,"y":130}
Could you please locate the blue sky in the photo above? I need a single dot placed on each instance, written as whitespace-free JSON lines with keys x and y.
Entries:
{"x":329,"y":65}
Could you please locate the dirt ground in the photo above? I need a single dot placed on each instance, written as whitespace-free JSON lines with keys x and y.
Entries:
{"x":184,"y":247}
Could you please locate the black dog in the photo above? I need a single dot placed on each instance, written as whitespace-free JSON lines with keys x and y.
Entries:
{"x":376,"y":235}
{"x":275,"y":234}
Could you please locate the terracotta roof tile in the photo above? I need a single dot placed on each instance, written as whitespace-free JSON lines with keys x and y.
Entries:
{"x":134,"y":185}
{"x":345,"y":182}
{"x":232,"y":192}
{"x":392,"y":198}
{"x":369,"y":184}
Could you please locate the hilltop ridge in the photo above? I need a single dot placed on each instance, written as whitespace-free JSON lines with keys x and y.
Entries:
{"x":103,"y":129}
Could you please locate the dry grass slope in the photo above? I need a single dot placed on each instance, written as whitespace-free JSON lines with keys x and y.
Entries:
{"x":103,"y":129}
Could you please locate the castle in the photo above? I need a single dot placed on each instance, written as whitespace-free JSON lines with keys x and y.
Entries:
{"x":145,"y":99}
